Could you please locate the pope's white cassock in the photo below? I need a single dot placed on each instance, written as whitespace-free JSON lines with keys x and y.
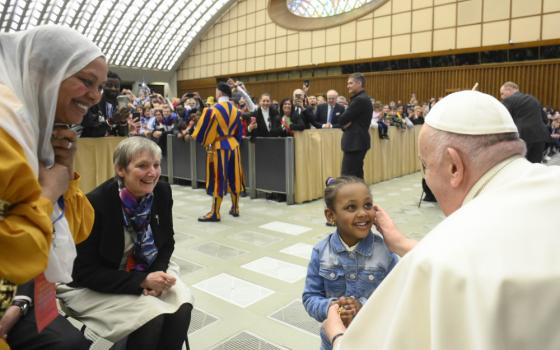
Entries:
{"x":486,"y":278}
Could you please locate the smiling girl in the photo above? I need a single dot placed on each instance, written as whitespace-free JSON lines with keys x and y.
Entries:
{"x":347,"y":265}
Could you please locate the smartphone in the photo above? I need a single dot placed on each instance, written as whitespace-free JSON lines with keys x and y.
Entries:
{"x":77,"y":128}
{"x":122,"y":101}
{"x":190,"y":95}
{"x":135,"y":115}
{"x":306,"y":83}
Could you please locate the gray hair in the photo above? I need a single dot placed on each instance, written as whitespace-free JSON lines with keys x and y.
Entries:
{"x":510,"y":85}
{"x":128,"y":148}
{"x":487,"y":150}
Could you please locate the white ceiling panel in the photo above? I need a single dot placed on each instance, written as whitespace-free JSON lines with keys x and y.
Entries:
{"x":137,"y":34}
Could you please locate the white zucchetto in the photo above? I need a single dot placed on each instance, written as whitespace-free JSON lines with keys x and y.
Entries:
{"x":471,"y":113}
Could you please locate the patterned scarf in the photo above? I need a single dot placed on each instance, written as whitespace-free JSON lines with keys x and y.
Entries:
{"x":137,"y":220}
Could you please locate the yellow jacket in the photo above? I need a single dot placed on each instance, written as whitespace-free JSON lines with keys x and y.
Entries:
{"x":25,"y":223}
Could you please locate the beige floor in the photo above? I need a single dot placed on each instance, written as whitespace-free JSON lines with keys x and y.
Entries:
{"x":247,"y":273}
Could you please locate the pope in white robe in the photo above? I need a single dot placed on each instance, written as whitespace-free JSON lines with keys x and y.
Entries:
{"x":488,"y":276}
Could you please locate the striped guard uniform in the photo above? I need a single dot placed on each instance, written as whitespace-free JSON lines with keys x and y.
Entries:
{"x":219,"y":130}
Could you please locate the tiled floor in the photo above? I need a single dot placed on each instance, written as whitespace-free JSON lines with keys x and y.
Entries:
{"x":247,"y":273}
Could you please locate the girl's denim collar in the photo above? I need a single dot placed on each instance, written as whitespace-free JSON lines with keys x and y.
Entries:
{"x":365,"y":246}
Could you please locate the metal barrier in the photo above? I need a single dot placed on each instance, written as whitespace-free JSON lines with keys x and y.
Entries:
{"x":268,"y":164}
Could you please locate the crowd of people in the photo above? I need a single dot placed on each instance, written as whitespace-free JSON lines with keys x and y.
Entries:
{"x":153,"y":116}
{"x":553,"y":126}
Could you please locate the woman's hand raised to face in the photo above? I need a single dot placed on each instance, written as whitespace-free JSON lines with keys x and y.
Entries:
{"x":64,"y":145}
{"x":54,"y":181}
{"x":158,"y":282}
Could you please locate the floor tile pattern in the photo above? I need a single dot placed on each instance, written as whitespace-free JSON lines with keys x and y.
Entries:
{"x":294,"y":314}
{"x":199,"y":320}
{"x":233,"y":290}
{"x":278,"y":269}
{"x":246,"y":341}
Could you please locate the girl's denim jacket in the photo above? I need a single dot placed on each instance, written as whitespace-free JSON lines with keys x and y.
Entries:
{"x":334,"y":272}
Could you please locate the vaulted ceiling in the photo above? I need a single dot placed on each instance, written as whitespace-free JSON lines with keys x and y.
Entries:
{"x":137,"y":34}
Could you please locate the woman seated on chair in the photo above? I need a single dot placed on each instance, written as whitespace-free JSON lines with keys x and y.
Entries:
{"x":124,"y":282}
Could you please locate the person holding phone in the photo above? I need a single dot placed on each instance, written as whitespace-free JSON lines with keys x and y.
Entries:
{"x":134,"y":123}
{"x":108,"y":118}
{"x":290,"y":121}
{"x":265,"y":121}
{"x":302,"y":110}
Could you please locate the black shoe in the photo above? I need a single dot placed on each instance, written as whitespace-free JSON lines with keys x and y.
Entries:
{"x":234,"y":213}
{"x":209,"y":218}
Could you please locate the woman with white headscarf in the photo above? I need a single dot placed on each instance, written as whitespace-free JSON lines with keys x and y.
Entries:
{"x":49,"y":77}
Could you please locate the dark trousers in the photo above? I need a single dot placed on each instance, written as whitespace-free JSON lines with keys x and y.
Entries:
{"x":59,"y":335}
{"x":353,"y":164}
{"x":165,"y":332}
{"x":535,"y":152}
{"x":382,"y":129}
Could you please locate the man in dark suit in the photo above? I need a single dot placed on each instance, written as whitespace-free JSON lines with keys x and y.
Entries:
{"x":328,"y":114}
{"x":355,"y":125}
{"x":265,"y":121}
{"x":527,"y":113}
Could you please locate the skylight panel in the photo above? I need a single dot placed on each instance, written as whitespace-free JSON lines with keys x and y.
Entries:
{"x":148,"y":35}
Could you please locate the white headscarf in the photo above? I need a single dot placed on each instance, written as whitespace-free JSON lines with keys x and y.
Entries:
{"x":33,"y":64}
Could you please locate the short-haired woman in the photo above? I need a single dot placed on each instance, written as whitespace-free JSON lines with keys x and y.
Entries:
{"x":124,"y":282}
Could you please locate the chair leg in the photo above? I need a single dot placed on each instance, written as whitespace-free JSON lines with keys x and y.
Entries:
{"x":421,"y":196}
